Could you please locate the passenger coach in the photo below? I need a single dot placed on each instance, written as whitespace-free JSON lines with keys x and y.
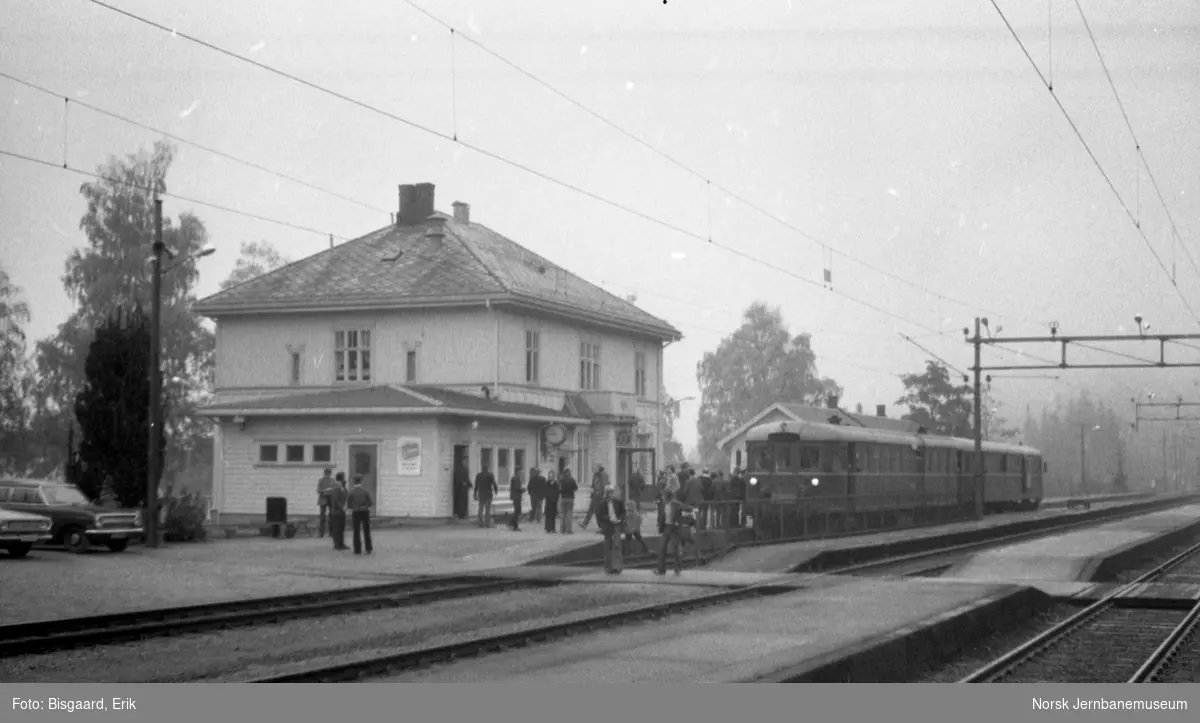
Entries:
{"x":843,"y":469}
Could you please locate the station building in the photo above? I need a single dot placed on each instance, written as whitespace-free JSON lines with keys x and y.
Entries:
{"x":428,"y":343}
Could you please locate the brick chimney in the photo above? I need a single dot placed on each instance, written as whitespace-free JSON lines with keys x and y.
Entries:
{"x":462,"y":213}
{"x":832,"y":402}
{"x":880,"y":410}
{"x":416,"y":204}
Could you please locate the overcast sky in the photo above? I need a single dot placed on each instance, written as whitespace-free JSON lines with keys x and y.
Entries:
{"x":913,"y":135}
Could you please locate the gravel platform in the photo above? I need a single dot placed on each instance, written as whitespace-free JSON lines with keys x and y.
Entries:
{"x":244,"y":653}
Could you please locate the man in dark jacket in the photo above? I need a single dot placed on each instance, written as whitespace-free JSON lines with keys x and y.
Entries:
{"x":515,"y":491}
{"x":637,"y":488}
{"x":599,"y":484}
{"x":324,"y":485}
{"x":485,"y":491}
{"x":567,"y":487}
{"x":737,"y":494}
{"x":551,"y":491}
{"x":336,"y":498}
{"x":360,"y":503}
{"x":537,"y":493}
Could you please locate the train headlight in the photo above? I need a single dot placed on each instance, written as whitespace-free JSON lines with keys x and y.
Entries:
{"x":815,"y":481}
{"x":753,"y":481}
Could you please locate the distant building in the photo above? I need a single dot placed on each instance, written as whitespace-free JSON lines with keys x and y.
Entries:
{"x":735,"y":444}
{"x":428,"y":344}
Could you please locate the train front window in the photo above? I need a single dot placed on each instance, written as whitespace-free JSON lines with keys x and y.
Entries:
{"x":783,"y":457}
{"x":835,"y":460}
{"x":761,"y":459}
{"x":810,"y":458}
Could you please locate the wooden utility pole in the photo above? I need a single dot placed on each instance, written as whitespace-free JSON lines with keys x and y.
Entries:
{"x":151,"y":521}
{"x":978,"y":428}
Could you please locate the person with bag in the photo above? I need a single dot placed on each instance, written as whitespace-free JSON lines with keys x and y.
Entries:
{"x":324,"y":485}
{"x":610,"y":518}
{"x":551,"y":489}
{"x":679,"y":522}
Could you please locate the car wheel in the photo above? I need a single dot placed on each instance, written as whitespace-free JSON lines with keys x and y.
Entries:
{"x":20,"y":549}
{"x":75,"y":540}
{"x":117,"y":545}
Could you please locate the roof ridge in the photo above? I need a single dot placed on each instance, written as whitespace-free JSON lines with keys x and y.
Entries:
{"x":571,"y":275}
{"x":411,"y":392}
{"x":475,"y":255}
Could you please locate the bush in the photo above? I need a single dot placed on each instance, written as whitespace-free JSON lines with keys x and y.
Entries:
{"x":184,"y":519}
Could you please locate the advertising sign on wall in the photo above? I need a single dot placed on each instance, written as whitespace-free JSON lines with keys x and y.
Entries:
{"x":409,"y":456}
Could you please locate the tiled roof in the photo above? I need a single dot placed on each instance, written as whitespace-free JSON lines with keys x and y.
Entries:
{"x":384,"y":397}
{"x":470,"y":262}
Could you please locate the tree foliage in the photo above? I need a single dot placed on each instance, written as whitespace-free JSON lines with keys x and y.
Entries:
{"x":112,"y":409}
{"x":759,"y":364}
{"x":256,"y":259}
{"x":1059,"y":434}
{"x":110,"y":273}
{"x":16,"y":378}
{"x":936,"y":402}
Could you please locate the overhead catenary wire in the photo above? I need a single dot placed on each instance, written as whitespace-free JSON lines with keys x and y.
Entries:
{"x":709,"y":183}
{"x":208,"y":204}
{"x":1137,"y":144}
{"x":498,"y":157}
{"x":1091,"y":154}
{"x":180,"y":139}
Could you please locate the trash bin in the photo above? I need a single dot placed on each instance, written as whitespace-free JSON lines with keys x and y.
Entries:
{"x":277,"y":517}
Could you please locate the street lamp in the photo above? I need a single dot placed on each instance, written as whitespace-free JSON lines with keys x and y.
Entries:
{"x":152,"y":478}
{"x":1083,"y":428}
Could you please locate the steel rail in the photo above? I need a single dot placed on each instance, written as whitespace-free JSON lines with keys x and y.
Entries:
{"x":37,"y":637}
{"x":421,"y":657}
{"x":1031,"y":648}
{"x":1160,"y":660}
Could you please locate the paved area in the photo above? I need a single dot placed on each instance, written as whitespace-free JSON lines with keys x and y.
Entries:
{"x":731,"y":643}
{"x":780,"y":558}
{"x":51,"y":583}
{"x":1072,"y":556}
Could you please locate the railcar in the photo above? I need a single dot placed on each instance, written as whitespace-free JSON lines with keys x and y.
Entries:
{"x":839,"y":469}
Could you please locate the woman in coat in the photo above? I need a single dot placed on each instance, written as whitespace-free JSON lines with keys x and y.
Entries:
{"x":551,"y":501}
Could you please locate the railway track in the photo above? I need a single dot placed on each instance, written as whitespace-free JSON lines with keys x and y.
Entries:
{"x":1107,"y":643}
{"x":935,"y":561}
{"x":51,"y":635}
{"x":421,"y":657}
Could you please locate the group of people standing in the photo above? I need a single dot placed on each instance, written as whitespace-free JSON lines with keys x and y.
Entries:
{"x":334,"y":499}
{"x":685,"y":500}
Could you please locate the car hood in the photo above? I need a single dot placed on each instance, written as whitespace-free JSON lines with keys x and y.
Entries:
{"x":94,"y":509}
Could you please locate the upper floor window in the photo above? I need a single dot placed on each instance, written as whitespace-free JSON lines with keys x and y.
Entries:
{"x":410,"y":369}
{"x":295,"y":368}
{"x":533,"y":344}
{"x":639,"y":374}
{"x":352,"y":355}
{"x":589,"y":366}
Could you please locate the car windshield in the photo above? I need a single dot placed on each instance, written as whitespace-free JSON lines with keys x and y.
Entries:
{"x":63,"y":496}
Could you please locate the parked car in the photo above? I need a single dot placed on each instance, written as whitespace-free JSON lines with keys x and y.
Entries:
{"x":77,"y":524}
{"x":20,"y":530}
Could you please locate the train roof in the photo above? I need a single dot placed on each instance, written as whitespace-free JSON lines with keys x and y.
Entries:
{"x":817,"y":432}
